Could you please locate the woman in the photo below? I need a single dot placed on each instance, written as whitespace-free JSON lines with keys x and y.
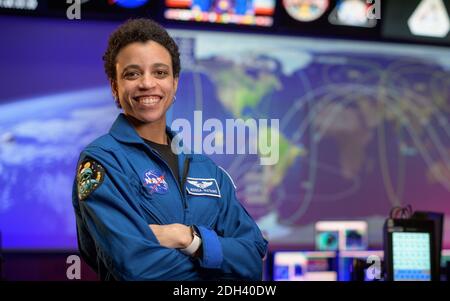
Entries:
{"x":143,"y":212}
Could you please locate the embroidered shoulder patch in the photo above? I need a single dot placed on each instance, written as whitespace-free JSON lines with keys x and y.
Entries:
{"x":89,"y":176}
{"x":200,"y":186}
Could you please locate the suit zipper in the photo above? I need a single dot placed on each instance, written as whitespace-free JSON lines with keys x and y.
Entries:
{"x":187,"y":162}
{"x":186,"y":165}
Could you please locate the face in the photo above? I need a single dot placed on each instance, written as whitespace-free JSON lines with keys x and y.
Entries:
{"x":145,"y":84}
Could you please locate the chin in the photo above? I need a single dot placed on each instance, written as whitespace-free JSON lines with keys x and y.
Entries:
{"x":150,"y":117}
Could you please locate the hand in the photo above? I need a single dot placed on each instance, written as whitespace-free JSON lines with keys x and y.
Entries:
{"x":174,"y":236}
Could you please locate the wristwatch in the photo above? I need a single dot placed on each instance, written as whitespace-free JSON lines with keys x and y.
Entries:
{"x":195,"y":244}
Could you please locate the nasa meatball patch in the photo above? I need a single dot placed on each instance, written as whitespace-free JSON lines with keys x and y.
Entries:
{"x":155,"y":181}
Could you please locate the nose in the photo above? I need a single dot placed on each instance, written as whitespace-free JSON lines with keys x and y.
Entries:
{"x":147,"y":82}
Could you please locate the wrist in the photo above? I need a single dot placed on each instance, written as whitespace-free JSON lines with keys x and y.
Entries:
{"x":187,"y":239}
{"x":195,"y":244}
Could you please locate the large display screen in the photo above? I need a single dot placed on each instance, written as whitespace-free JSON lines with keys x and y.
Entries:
{"x":362,"y":126}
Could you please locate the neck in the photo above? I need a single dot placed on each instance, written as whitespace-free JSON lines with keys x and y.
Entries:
{"x":153,"y":131}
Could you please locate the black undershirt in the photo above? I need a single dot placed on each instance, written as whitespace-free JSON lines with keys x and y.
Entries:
{"x":165,"y":151}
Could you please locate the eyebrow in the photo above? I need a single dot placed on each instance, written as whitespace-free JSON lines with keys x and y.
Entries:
{"x":130,"y":67}
{"x":160,"y":65}
{"x":134,"y":66}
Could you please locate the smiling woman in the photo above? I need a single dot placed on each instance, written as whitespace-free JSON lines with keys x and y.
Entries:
{"x":143,"y":210}
{"x":146,"y":87}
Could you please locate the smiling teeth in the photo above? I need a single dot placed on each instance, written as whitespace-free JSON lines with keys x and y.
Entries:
{"x":149,"y":100}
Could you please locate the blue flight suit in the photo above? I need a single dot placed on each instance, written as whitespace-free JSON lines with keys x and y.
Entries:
{"x":137,"y":188}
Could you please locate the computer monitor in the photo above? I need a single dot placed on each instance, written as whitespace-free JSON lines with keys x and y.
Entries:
{"x":438,"y":220}
{"x":304,"y":266}
{"x":445,"y":265}
{"x":360,"y":265}
{"x":409,"y":250}
{"x":341,"y":235}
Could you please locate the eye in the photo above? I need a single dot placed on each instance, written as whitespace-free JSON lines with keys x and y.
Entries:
{"x":161,"y":73}
{"x":131,"y":74}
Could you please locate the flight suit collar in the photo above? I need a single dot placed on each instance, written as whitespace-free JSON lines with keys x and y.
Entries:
{"x":124,"y":132}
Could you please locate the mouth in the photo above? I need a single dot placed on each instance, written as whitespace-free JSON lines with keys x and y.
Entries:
{"x":148,"y":100}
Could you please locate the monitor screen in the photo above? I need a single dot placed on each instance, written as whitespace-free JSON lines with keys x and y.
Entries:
{"x":304,"y":266}
{"x":341,"y":235}
{"x":360,"y":265}
{"x":411,"y":256}
{"x":327,"y":240}
{"x":243,"y":12}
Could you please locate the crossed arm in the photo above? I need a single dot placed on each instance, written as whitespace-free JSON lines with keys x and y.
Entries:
{"x":174,"y":236}
{"x":233,"y":248}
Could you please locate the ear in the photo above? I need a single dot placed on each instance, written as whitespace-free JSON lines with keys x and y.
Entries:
{"x":175,"y":84}
{"x":115,"y":93}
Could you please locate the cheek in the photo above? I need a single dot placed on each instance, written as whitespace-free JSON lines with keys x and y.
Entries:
{"x":125,"y":87}
{"x":169,"y":88}
{"x":125,"y":95}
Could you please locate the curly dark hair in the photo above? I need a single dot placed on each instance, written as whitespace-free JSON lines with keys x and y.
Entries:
{"x":139,"y":30}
